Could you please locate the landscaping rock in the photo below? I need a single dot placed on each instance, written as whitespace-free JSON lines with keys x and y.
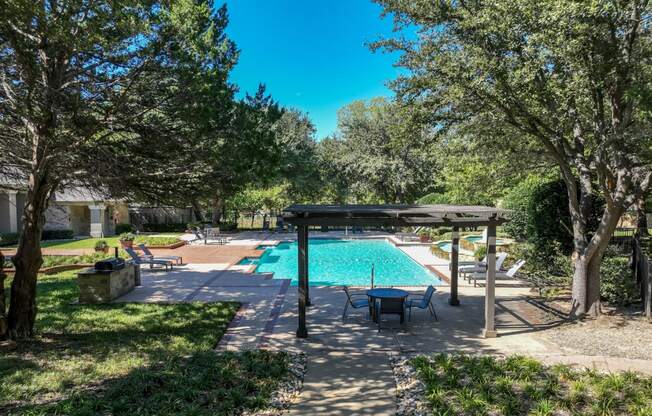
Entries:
{"x":409,"y":389}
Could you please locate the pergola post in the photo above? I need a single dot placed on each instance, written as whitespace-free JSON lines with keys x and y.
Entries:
{"x":302,"y":240}
{"x":490,"y":286}
{"x":455,"y":255}
{"x":306,"y":268}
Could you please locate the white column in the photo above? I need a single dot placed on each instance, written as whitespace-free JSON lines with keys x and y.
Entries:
{"x":490,"y":286}
{"x":97,"y":220}
{"x":13,"y":211}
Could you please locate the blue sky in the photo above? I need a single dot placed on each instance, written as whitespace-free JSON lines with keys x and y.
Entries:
{"x":311,"y":54}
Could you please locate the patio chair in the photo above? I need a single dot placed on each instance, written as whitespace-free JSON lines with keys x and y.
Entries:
{"x":151,"y":255}
{"x":389,"y":306}
{"x":422,"y":302}
{"x":508,"y":275}
{"x":213,"y":234}
{"x":482,"y":267}
{"x":199,"y":236}
{"x":140,"y":260}
{"x":355,"y":300}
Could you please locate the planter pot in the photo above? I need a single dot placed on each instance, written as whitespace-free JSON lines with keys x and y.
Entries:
{"x":424,"y":239}
{"x":102,"y":250}
{"x":126,"y":244}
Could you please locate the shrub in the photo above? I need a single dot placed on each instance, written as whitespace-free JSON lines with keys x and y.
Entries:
{"x":618,"y":286}
{"x":58,"y":235}
{"x":480,"y":252}
{"x":155,"y":240}
{"x":434,"y":199}
{"x":439,"y":231}
{"x":549,"y":265}
{"x":101,"y":245}
{"x":124,"y":228}
{"x":518,"y":200}
{"x":165,"y":228}
{"x":541,"y":214}
{"x":8,"y":239}
{"x":127,"y":237}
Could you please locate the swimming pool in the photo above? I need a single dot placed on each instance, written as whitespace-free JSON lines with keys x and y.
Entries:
{"x":346,"y":262}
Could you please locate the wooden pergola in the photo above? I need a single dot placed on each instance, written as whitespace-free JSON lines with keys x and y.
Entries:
{"x":455,"y":216}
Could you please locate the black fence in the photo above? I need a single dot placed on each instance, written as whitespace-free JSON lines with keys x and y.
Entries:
{"x":641,"y":269}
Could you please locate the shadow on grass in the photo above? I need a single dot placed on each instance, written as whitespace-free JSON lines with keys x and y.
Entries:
{"x":131,"y":358}
{"x":206,"y":383}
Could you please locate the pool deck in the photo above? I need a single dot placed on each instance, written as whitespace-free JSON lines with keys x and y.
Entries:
{"x":349,"y":370}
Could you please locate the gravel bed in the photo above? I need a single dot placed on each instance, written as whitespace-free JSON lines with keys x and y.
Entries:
{"x":409,"y":389}
{"x":616,"y":336}
{"x":289,"y":389}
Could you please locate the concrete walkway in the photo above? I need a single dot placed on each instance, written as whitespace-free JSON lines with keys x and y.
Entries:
{"x":339,"y":383}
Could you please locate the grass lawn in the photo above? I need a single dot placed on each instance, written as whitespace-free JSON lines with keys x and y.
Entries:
{"x":465,"y":385}
{"x":111,"y":241}
{"x":131,"y":359}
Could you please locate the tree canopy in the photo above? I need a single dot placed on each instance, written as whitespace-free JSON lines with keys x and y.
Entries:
{"x":573,"y":78}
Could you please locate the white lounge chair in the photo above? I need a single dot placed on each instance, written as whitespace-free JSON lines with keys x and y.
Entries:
{"x":508,"y":275}
{"x":482,"y":266}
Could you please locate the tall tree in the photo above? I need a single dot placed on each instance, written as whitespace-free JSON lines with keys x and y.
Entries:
{"x":572,"y":76}
{"x":297,"y":164}
{"x":85,"y":98}
{"x":247,"y":153}
{"x":387,"y":151}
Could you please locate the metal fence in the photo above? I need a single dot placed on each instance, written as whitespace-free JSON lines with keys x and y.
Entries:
{"x":641,"y":269}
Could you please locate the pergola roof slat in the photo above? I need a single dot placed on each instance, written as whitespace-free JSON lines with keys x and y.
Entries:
{"x":399,"y":215}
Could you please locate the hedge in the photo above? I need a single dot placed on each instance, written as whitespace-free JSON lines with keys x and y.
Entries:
{"x":8,"y":239}
{"x":165,"y":228}
{"x":58,"y":235}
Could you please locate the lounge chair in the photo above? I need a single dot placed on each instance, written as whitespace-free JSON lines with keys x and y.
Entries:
{"x":209,"y":236}
{"x":213,"y":234}
{"x":139,"y":260}
{"x":356,"y":300}
{"x":151,"y":255}
{"x":422,"y":302}
{"x":508,"y":275}
{"x":482,"y":267}
{"x":389,"y":306}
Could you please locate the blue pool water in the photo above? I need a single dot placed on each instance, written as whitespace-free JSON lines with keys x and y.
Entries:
{"x":347,"y":262}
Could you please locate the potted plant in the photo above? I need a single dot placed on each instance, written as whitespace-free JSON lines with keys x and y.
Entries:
{"x":127,"y":240}
{"x":102,"y":247}
{"x":424,"y":236}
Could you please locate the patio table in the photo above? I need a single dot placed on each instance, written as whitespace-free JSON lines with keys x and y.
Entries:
{"x":384,"y":293}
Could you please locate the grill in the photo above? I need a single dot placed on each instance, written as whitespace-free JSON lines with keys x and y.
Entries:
{"x":110,"y":265}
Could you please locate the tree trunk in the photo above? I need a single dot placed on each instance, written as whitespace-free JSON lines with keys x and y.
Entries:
{"x":586,"y":285}
{"x":4,"y":323}
{"x":218,"y":204}
{"x":641,"y":216}
{"x":587,"y":260}
{"x":28,"y":261}
{"x":196,"y":210}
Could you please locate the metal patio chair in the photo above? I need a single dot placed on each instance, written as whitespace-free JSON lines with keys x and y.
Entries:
{"x":355,"y":300}
{"x":422,"y":302}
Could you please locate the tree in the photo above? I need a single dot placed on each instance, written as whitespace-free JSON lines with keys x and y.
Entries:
{"x":91,"y":94}
{"x":297,"y":162}
{"x":385,"y":150}
{"x":246,"y":154}
{"x":573,"y":77}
